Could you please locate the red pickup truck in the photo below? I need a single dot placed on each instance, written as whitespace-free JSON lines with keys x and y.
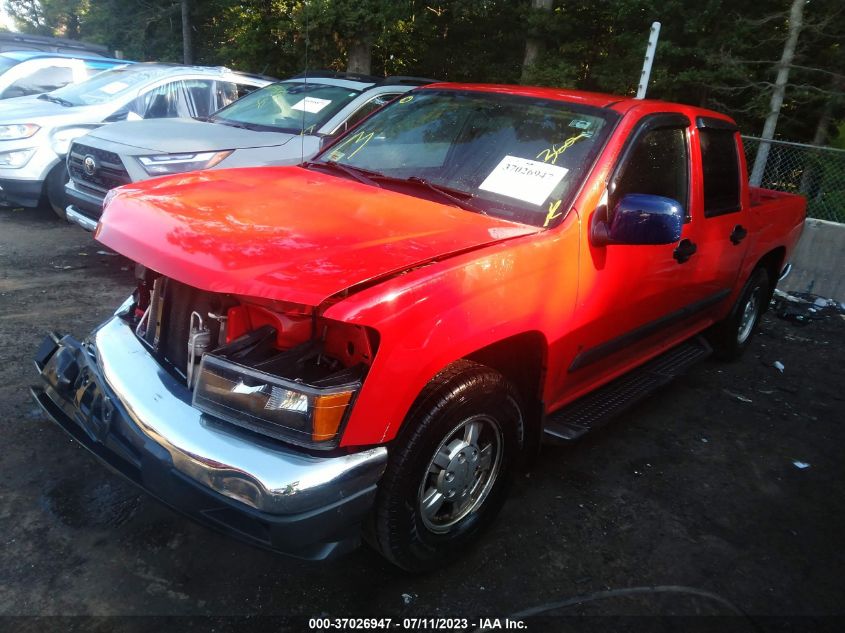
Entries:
{"x":372,"y":342}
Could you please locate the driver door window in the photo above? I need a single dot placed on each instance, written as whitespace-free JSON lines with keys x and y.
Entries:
{"x":659,"y":165}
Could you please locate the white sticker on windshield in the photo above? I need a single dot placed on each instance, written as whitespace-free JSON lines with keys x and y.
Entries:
{"x":114,"y":87}
{"x":524,"y":179}
{"x":311,"y":104}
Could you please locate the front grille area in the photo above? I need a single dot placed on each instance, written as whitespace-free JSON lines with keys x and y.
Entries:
{"x":173,"y":323}
{"x":108,"y":174}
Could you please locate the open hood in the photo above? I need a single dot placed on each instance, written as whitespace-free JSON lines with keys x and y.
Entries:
{"x":169,"y":136}
{"x":285,"y":233}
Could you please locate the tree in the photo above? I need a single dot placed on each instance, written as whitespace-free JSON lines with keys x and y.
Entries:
{"x":796,"y":19}
{"x":534,"y":43}
{"x":187,"y":48}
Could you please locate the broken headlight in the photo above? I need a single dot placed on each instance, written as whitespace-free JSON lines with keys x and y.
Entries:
{"x":299,"y":413}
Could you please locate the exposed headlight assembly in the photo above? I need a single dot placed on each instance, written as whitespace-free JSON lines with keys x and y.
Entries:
{"x":163,"y":164}
{"x":17,"y":131}
{"x":16,"y":158}
{"x":302,"y":414}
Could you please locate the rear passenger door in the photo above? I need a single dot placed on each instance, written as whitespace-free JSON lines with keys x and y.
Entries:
{"x":720,"y":223}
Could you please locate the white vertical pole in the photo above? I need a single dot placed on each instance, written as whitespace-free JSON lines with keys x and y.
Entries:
{"x":649,"y":59}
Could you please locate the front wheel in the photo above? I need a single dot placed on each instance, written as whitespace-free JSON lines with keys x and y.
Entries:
{"x":447,"y":477}
{"x":731,"y":337}
{"x":54,"y":189}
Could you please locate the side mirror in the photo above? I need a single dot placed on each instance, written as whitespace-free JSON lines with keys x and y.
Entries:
{"x":640,"y":218}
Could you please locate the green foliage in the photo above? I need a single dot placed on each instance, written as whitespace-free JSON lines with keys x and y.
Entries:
{"x":716,"y":53}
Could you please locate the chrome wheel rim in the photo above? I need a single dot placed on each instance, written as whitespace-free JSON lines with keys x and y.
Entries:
{"x":749,"y":316}
{"x":461,"y":473}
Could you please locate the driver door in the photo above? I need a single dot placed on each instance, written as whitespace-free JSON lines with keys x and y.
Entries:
{"x":632,"y":298}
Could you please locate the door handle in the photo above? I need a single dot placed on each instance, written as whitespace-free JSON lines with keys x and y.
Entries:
{"x":738,"y":234}
{"x":684,"y":251}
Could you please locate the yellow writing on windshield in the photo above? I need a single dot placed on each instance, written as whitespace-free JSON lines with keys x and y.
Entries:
{"x":552,"y":214}
{"x":551,"y":154}
{"x":360,"y":139}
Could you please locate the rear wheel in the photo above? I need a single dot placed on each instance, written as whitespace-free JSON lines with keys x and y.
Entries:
{"x":731,"y":337}
{"x":448,"y":474}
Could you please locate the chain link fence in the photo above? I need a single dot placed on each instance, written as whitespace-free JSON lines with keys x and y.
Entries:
{"x":818,"y":173}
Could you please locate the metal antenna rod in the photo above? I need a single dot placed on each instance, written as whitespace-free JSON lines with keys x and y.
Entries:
{"x":649,"y":59}
{"x":307,"y":38}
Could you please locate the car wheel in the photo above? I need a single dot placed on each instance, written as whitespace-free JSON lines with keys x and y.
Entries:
{"x":731,"y":337}
{"x":449,"y":468}
{"x":55,"y":189}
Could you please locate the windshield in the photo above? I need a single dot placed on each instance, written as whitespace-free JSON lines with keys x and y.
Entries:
{"x":287,"y":107}
{"x":519,"y":158}
{"x":108,"y":85}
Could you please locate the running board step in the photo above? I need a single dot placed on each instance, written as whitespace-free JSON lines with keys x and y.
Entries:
{"x":600,"y":406}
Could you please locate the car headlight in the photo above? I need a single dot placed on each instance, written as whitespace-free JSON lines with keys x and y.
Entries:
{"x":267,"y":404}
{"x":17,"y":131}
{"x":60,"y":140}
{"x":17,"y":158}
{"x":162,"y":164}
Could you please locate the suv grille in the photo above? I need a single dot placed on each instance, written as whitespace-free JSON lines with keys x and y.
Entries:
{"x":109,"y":171}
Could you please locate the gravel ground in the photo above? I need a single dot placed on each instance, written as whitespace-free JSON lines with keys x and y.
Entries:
{"x":695,"y":487}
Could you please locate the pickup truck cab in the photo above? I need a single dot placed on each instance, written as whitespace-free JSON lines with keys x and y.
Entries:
{"x":374,"y":340}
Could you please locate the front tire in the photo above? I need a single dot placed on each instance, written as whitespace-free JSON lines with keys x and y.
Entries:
{"x":54,"y":189}
{"x":731,"y":337}
{"x":448,"y":475}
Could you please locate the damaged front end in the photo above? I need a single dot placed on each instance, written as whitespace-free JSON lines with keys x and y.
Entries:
{"x":226,"y":408}
{"x":272,"y":367}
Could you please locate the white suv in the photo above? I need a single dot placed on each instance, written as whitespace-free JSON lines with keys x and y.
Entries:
{"x":36,"y":131}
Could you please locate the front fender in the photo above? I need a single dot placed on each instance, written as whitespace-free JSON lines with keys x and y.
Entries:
{"x":440,"y":313}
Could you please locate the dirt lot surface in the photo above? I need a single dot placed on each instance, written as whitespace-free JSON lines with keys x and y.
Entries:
{"x":696,"y":487}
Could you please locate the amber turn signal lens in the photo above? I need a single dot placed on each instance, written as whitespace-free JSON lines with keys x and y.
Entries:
{"x":328,"y":412}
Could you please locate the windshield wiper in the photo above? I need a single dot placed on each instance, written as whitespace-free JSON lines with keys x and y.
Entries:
{"x":361,"y":175}
{"x":444,"y":192}
{"x":229,"y":122}
{"x":59,"y":100}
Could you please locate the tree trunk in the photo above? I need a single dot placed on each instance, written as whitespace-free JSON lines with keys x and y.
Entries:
{"x":187,"y":49}
{"x":534,"y":45}
{"x":796,"y":17}
{"x":359,"y":57}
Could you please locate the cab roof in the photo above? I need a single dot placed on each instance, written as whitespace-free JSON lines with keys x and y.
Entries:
{"x":619,"y":103}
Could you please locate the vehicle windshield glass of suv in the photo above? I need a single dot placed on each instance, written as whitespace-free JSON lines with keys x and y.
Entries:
{"x":287,"y":107}
{"x":108,"y":85}
{"x":515,"y":157}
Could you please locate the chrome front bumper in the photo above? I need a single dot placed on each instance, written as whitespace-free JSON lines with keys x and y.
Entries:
{"x":115,"y":398}
{"x":75,"y":216}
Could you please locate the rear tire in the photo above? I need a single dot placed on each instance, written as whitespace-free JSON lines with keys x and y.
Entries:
{"x":731,"y":337}
{"x":448,"y":473}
